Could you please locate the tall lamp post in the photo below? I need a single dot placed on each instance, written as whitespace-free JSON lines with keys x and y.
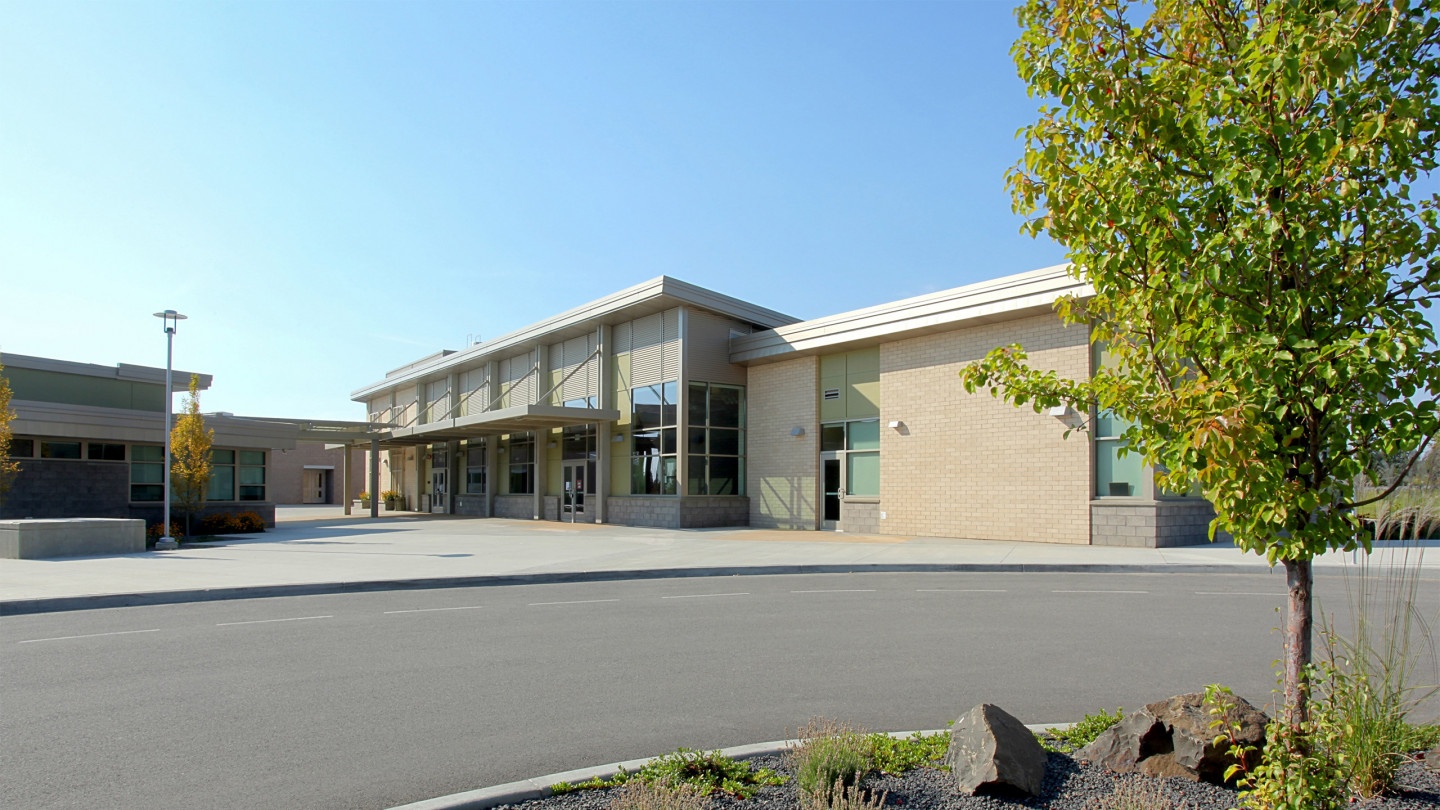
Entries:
{"x":171,"y":318}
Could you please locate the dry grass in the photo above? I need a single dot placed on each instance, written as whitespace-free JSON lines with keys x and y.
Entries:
{"x":658,"y":796}
{"x":1135,"y":794}
{"x":829,"y":753}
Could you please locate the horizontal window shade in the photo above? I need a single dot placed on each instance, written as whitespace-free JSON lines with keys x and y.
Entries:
{"x":655,"y":348}
{"x":475,"y":388}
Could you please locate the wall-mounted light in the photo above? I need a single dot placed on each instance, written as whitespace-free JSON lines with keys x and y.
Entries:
{"x":1060,"y":411}
{"x":618,"y":437}
{"x":799,"y":431}
{"x":896,"y":425}
{"x":553,"y":445}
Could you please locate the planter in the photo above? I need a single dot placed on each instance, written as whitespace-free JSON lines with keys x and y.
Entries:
{"x":390,"y":505}
{"x":364,"y":503}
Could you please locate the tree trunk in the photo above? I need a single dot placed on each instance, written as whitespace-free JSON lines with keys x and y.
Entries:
{"x":1298,"y":621}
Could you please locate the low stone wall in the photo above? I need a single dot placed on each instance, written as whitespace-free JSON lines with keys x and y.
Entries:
{"x":470,"y":505}
{"x":860,"y":517}
{"x":70,"y":537}
{"x":670,"y":512}
{"x":515,"y":507}
{"x":1150,"y":524}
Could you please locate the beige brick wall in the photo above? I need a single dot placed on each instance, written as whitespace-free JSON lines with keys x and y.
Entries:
{"x":971,"y":465}
{"x":782,"y":469}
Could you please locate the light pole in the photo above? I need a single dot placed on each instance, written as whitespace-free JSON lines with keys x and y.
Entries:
{"x":171,"y":318}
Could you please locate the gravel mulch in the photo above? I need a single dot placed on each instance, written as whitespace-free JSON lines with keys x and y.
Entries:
{"x":1069,"y":785}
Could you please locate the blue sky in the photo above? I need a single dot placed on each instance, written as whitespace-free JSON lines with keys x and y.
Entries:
{"x":329,"y":190}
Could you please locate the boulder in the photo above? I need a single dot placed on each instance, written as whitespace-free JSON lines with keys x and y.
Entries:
{"x":990,"y":750}
{"x":1174,"y":738}
{"x":1432,"y":758}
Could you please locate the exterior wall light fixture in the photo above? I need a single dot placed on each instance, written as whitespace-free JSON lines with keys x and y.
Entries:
{"x":799,"y":431}
{"x":896,"y":425}
{"x":618,"y":437}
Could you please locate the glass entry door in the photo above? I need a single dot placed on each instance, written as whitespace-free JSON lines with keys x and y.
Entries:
{"x":834,"y":488}
{"x":578,"y":478}
{"x":437,"y":491}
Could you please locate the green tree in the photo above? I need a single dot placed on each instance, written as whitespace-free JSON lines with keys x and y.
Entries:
{"x":1236,"y":181}
{"x":9,"y":467}
{"x":190,"y":464}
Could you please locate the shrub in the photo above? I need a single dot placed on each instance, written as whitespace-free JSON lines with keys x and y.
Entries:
{"x":156,"y":530}
{"x":829,"y":752}
{"x":1081,"y":734}
{"x":658,"y":796}
{"x":708,"y":772}
{"x":703,"y":772}
{"x":227,"y":523}
{"x":891,"y":755}
{"x":841,"y":797}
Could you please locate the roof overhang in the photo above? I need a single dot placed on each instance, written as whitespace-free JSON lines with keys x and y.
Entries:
{"x":515,"y":419}
{"x":1008,"y":298}
{"x":655,"y":295}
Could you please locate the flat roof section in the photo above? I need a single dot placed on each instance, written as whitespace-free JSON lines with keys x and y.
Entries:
{"x":119,"y":371}
{"x":1000,"y":299}
{"x":656,"y":295}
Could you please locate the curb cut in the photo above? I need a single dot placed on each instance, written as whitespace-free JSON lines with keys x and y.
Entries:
{"x":58,"y":604}
{"x":539,"y":787}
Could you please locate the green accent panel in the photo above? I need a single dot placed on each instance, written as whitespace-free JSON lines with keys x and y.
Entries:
{"x":620,"y":380}
{"x":555,"y":377}
{"x":554,"y":476}
{"x":832,"y":365}
{"x":832,"y":410}
{"x":620,"y":468}
{"x":862,"y":400}
{"x":79,"y":389}
{"x":863,"y":360}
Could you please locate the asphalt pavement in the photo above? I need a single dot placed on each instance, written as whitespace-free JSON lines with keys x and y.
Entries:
{"x":316,"y":550}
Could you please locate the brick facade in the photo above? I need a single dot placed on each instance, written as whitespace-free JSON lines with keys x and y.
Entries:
{"x":971,"y":465}
{"x":783,"y":470}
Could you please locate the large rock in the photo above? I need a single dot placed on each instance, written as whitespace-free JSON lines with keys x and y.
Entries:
{"x":1174,"y":738}
{"x":991,"y":750}
{"x":1432,"y":758}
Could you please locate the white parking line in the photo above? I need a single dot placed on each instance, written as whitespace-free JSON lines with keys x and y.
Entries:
{"x":1235,"y":593}
{"x":840,"y":590}
{"x":268,"y":621}
{"x":703,"y":595}
{"x":960,"y":590}
{"x":576,"y":602}
{"x":433,"y":610}
{"x":91,"y":635}
{"x":1099,"y":591}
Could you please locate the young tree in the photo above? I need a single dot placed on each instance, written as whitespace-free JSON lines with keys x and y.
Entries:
{"x":1236,"y":181}
{"x":190,"y":442}
{"x":9,"y":467}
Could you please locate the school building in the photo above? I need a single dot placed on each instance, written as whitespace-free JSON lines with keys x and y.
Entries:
{"x":667,"y":404}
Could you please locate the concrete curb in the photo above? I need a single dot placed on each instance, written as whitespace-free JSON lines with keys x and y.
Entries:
{"x":539,"y":787}
{"x":58,"y":604}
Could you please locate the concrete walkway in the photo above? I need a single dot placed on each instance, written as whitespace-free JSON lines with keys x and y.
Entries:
{"x":319,"y":550}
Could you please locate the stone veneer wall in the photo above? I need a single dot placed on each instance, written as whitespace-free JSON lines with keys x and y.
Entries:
{"x":782,"y":471}
{"x":971,"y":465}
{"x":671,"y":512}
{"x":470,"y":505}
{"x":1151,"y":524}
{"x":860,"y":517}
{"x":515,"y":507}
{"x":66,"y":488}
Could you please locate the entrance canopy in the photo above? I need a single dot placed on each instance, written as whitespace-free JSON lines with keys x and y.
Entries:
{"x":515,"y":419}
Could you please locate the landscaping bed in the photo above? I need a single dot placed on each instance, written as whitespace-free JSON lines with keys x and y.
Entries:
{"x":1068,"y":785}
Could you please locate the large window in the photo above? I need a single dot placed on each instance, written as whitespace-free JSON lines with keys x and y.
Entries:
{"x":97,"y":451}
{"x":857,"y":445}
{"x":653,"y":450}
{"x":51,"y":449}
{"x":475,"y":467}
{"x":22,"y":448}
{"x":222,"y":476}
{"x":235,"y":475}
{"x":147,"y":473}
{"x":1117,"y":473}
{"x":520,"y":452}
{"x":716,"y":441}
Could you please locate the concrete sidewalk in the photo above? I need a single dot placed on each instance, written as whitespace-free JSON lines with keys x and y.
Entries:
{"x":318,"y":550}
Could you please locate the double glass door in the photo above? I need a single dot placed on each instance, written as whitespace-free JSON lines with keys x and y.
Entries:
{"x":579,"y":484}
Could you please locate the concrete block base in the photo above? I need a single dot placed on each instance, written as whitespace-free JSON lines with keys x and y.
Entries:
{"x":70,"y":537}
